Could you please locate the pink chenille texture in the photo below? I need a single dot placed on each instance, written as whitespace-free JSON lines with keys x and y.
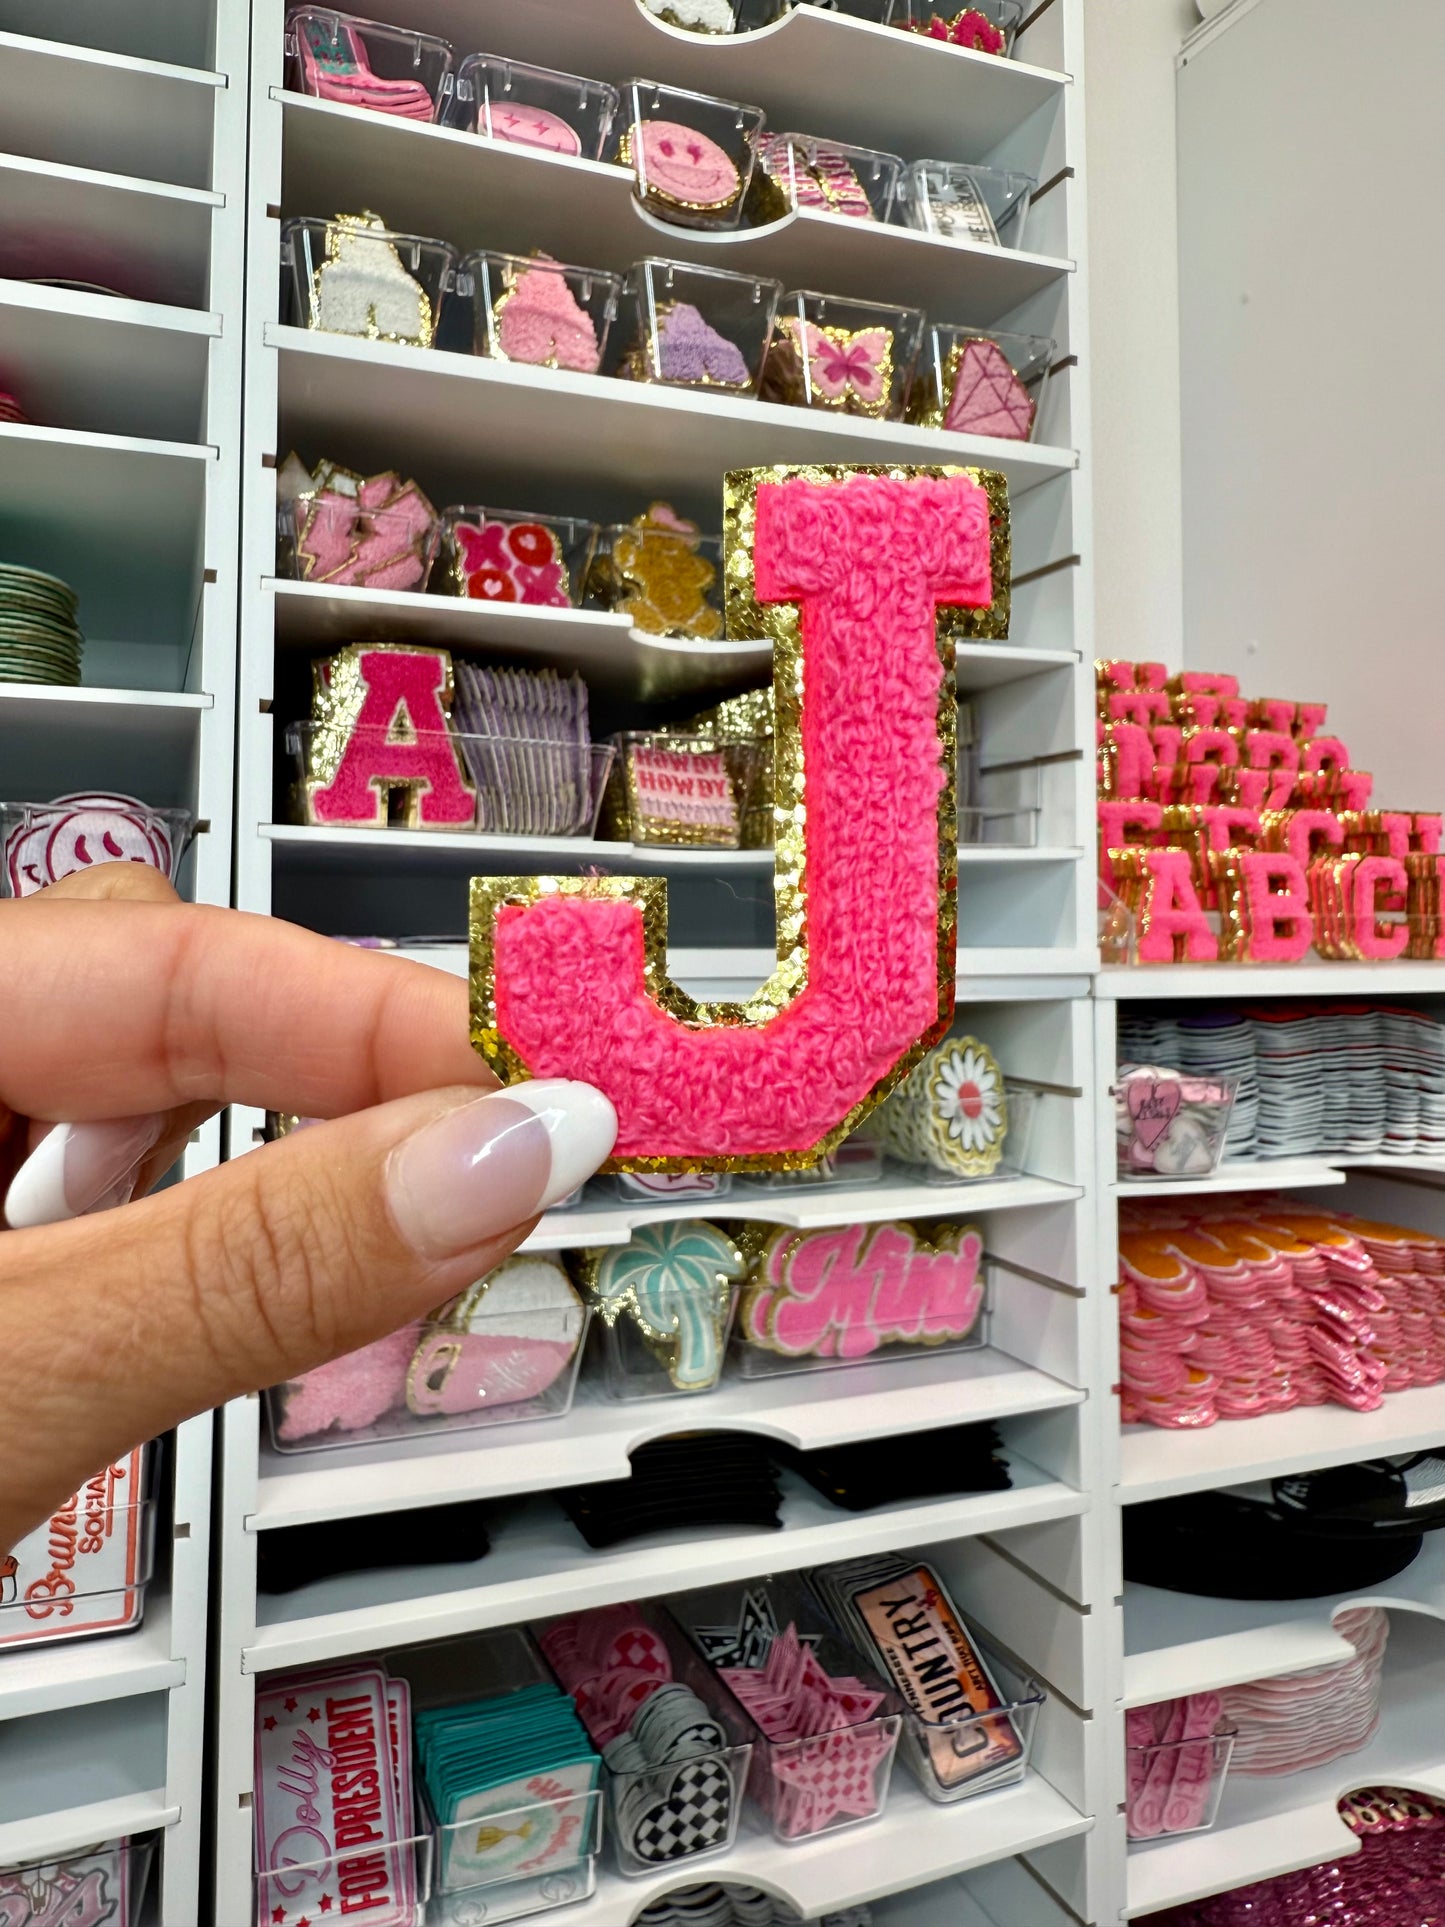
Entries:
{"x":868,"y":561}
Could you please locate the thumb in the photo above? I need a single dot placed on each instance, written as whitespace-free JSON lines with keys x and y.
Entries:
{"x":116,"y":1327}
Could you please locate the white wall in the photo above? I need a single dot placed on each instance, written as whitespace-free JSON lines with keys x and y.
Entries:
{"x":1130,"y":49}
{"x":1312,"y":178}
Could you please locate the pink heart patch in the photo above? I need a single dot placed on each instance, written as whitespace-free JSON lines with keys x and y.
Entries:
{"x":1153,"y":1107}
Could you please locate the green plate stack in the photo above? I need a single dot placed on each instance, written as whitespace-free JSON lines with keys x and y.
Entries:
{"x":40,"y":639}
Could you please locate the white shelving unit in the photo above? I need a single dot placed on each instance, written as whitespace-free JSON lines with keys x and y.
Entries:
{"x":164,"y":156}
{"x":1175,"y":1643}
{"x":122,"y":164}
{"x":1027,"y":1563}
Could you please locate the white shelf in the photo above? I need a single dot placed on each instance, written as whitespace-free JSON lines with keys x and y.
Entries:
{"x":992,"y":855}
{"x":304,"y":846}
{"x":606,"y":649}
{"x":1160,"y":1464}
{"x":1282,"y":1174}
{"x":82,"y":1672}
{"x":137,"y":117}
{"x":825,"y":73}
{"x":472,"y":427}
{"x":313,"y":846}
{"x":148,"y":30}
{"x":1184,"y":1644}
{"x":1256,"y":1174}
{"x":118,"y":517}
{"x":158,"y":714}
{"x":1167,"y":982}
{"x":915,"y":1840}
{"x":600,"y":1223}
{"x":1269,"y":1826}
{"x":539,"y":1563}
{"x":750,"y":967}
{"x":118,"y":367}
{"x":82,"y":1774}
{"x":595,"y":1441}
{"x":493,"y":194}
{"x":148,"y":240}
{"x":139,"y":741}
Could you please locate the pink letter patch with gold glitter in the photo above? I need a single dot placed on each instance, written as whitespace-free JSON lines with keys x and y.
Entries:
{"x":567,"y":976}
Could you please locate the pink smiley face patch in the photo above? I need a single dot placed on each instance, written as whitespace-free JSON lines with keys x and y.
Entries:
{"x":78,"y":832}
{"x":526,"y":126}
{"x":683,"y":165}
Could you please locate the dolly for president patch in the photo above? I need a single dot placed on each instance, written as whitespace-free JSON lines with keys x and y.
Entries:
{"x":328,"y":1804}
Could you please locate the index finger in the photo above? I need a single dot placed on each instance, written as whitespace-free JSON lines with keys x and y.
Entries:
{"x":117,"y":1009}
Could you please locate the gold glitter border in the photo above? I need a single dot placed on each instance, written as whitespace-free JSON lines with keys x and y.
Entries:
{"x":749,"y":619}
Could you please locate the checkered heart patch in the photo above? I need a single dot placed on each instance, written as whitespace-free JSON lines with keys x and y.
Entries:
{"x":693,"y":1816}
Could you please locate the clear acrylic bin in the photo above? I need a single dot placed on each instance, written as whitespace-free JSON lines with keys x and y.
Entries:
{"x":540,"y":312}
{"x":679,"y":1809}
{"x":857,"y":1160}
{"x":665,"y":1186}
{"x":42,"y":842}
{"x":365,"y":63}
{"x":522,"y":1848}
{"x":854,"y":357}
{"x":957,"y":201}
{"x":733,"y":1628}
{"x":662,"y":573}
{"x":831,"y":177}
{"x":977,"y":381}
{"x":1001,"y":829}
{"x":450,"y":1375}
{"x":776,"y":1333}
{"x":1175,"y":1787}
{"x":689,"y":791}
{"x":392,"y":1874}
{"x":327,"y":536}
{"x":987,"y":26}
{"x":507,"y":100}
{"x":1118,"y":929}
{"x":956,"y":1759}
{"x":571,"y":1826}
{"x":415,"y":1870}
{"x":1170,"y":1124}
{"x":692,"y":154}
{"x":506,"y":555}
{"x":949,"y":1121}
{"x":529,"y":788}
{"x":632,"y":1370}
{"x":84,"y":1572}
{"x":524,"y":786}
{"x":105,"y":1883}
{"x":691,"y":327}
{"x":354,"y":276}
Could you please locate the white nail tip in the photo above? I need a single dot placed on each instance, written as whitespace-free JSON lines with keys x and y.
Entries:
{"x":77,"y":1168}
{"x":37,"y":1191}
{"x":581,"y":1125}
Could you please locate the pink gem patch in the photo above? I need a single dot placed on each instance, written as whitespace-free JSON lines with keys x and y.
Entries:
{"x":988,"y":398}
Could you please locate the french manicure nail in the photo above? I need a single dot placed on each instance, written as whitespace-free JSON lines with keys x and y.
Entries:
{"x":491,"y":1164}
{"x":79,"y":1168}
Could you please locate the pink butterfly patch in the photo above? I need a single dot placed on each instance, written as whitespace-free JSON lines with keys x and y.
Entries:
{"x":841,"y":364}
